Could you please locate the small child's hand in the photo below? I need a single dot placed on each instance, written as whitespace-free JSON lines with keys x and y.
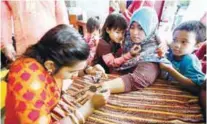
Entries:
{"x":98,"y":67}
{"x":135,"y":50}
{"x":160,"y":52}
{"x":95,"y":37}
{"x":162,"y":49}
{"x":95,"y":70}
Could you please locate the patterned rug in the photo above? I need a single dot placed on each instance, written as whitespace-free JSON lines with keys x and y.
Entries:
{"x":162,"y":103}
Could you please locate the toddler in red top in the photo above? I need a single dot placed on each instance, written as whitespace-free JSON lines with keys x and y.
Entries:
{"x":92,"y":38}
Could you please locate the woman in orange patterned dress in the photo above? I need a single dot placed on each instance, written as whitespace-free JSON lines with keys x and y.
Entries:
{"x":35,"y":79}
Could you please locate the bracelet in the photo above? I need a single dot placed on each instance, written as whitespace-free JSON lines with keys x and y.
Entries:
{"x":80,"y":115}
{"x":73,"y":118}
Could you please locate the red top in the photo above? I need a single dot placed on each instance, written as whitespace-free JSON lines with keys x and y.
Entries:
{"x":201,"y":54}
{"x":92,"y":43}
{"x":135,"y":5}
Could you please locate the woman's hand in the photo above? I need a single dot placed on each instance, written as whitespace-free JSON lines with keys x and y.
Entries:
{"x":122,"y":6}
{"x":135,"y":50}
{"x":100,"y":98}
{"x":9,"y":52}
{"x":97,"y":69}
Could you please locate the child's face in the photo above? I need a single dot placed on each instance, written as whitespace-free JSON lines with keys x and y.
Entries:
{"x":95,"y":34}
{"x":183,"y":42}
{"x":116,"y":35}
{"x":137,"y":34}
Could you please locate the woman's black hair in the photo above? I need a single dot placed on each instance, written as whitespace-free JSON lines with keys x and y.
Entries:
{"x":62,"y":44}
{"x":113,"y":21}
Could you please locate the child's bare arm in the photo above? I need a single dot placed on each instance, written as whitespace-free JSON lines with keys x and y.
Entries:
{"x":183,"y":81}
{"x":111,"y":61}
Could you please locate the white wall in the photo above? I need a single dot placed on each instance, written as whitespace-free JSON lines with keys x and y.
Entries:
{"x":196,"y":10}
{"x":94,"y":8}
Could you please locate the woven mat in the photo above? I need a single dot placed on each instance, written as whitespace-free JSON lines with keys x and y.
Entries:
{"x":161,"y":103}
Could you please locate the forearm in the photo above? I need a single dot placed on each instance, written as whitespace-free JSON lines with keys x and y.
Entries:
{"x":183,"y":81}
{"x":79,"y":115}
{"x":87,"y":109}
{"x":6,"y":28}
{"x":127,"y":15}
{"x":111,"y":61}
{"x":115,"y":85}
{"x":120,"y":60}
{"x":179,"y":77}
{"x":61,"y":13}
{"x":122,"y":6}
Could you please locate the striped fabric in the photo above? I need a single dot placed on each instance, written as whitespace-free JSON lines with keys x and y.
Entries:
{"x":162,"y":103}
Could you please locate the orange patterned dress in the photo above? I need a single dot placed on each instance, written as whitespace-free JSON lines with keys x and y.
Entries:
{"x":31,"y":93}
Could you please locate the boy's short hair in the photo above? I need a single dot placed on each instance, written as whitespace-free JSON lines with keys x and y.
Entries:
{"x":92,"y":24}
{"x":193,"y":26}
